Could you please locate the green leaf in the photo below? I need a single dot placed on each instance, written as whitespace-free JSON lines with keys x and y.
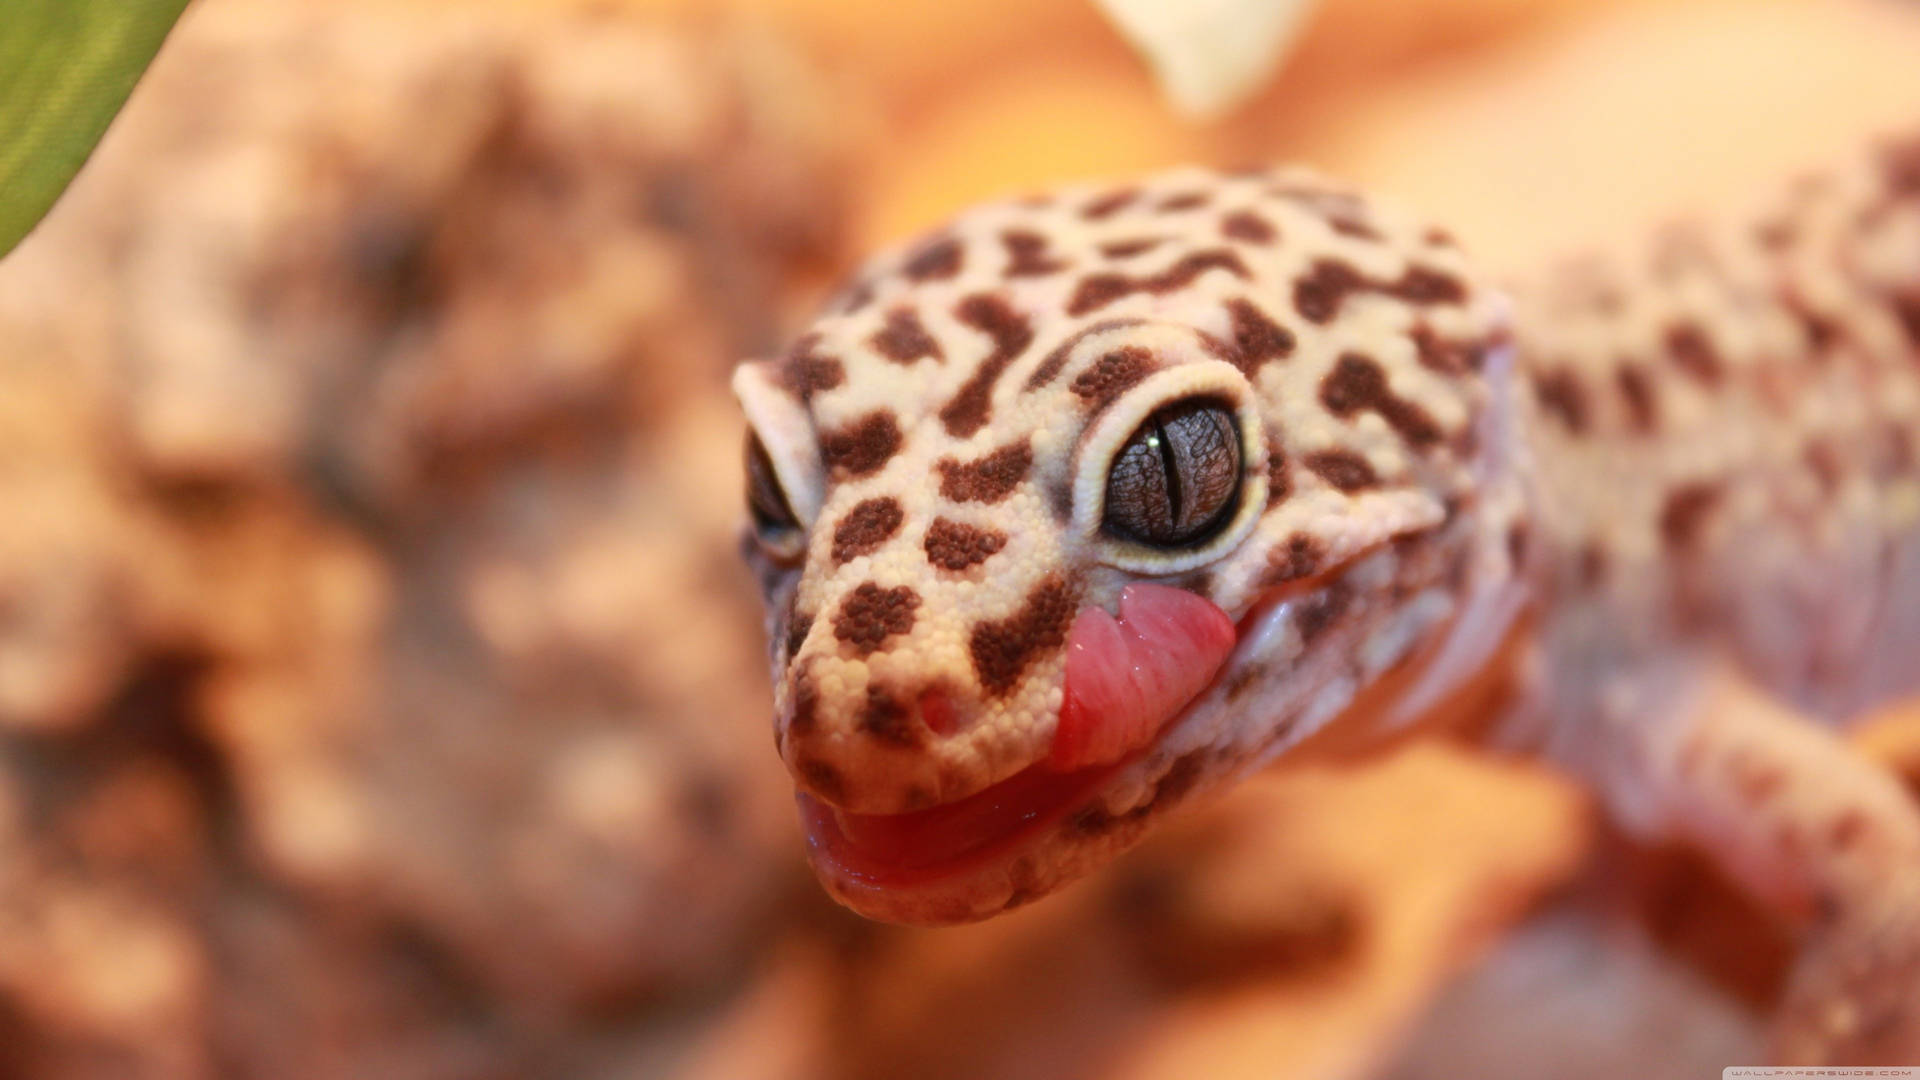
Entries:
{"x":66,"y":67}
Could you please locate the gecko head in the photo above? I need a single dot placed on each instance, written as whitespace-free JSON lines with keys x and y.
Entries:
{"x":1089,"y":503}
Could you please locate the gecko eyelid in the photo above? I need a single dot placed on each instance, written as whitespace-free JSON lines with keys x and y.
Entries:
{"x":774,"y":523}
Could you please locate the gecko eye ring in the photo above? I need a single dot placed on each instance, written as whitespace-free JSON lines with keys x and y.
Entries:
{"x":1175,"y":481}
{"x":1174,"y":474}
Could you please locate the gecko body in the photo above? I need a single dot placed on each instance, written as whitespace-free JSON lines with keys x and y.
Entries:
{"x":1091,"y":502}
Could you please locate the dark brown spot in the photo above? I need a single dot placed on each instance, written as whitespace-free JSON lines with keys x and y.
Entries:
{"x":870,"y":615}
{"x":1178,"y":782}
{"x":1185,"y":200}
{"x":953,"y":545}
{"x":1248,"y":227}
{"x":1636,"y":389}
{"x":1821,"y":331}
{"x":1098,"y":290}
{"x":1319,"y":611}
{"x":806,"y":705}
{"x":1279,"y":473}
{"x":1113,"y":374}
{"x":804,"y":372}
{"x":905,"y":339}
{"x":938,"y":259}
{"x":1011,"y":334}
{"x":1517,"y":543}
{"x":799,"y":623}
{"x":865,"y":527}
{"x":1180,"y":779}
{"x":1246,"y":678}
{"x":1824,"y":462}
{"x":1344,"y":469}
{"x":1693,"y":353}
{"x":1298,"y":557}
{"x":1199,"y":583}
{"x":860,"y":448}
{"x":1095,"y":820}
{"x":1256,"y":338}
{"x":1027,"y":254}
{"x":1105,"y":206}
{"x":1003,"y":649}
{"x":1051,"y":366}
{"x":1900,"y":165}
{"x":987,"y":479}
{"x":889,"y":721}
{"x":822,"y":779}
{"x":1358,"y":383}
{"x":1319,"y":293}
{"x":1685,"y":513}
{"x":1562,"y":396}
{"x":1775,"y":235}
{"x":1847,"y":830}
{"x":1446,"y":355}
{"x":1906,"y":309}
{"x":1126,"y":249}
{"x":1436,"y":237}
{"x":1425,"y":285}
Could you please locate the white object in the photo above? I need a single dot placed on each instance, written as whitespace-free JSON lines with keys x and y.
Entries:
{"x":1209,"y":55}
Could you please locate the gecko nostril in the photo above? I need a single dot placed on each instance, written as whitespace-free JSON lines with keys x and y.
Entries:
{"x":938,"y":713}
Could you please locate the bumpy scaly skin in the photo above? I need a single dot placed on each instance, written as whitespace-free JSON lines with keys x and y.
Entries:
{"x":1726,"y":432}
{"x":944,"y":434}
{"x":1701,"y":469}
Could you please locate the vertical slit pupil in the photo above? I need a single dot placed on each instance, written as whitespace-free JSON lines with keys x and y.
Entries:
{"x":1165,"y":445}
{"x":1176,"y":480}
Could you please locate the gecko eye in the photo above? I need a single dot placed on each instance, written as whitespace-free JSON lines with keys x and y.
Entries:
{"x":1176,"y":480}
{"x":773,"y":518}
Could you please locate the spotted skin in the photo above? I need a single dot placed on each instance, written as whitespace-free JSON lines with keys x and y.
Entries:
{"x":1699,"y":467}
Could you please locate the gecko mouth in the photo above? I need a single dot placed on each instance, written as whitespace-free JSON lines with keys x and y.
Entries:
{"x":1127,"y":680}
{"x":925,"y":845}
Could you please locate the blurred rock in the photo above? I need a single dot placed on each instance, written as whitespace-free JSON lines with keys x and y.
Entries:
{"x":380,"y":702}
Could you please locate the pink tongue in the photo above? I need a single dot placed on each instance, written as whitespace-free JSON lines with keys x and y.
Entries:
{"x":1128,"y":676}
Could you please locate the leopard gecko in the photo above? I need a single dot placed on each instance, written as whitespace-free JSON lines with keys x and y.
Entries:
{"x":1089,"y":503}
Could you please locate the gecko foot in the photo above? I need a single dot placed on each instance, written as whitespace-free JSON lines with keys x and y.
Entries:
{"x":1854,"y":997}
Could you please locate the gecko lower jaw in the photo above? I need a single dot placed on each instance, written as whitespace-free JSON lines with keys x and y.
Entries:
{"x":925,"y":845}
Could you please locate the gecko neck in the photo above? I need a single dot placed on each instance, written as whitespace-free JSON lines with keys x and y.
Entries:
{"x":1496,"y":588}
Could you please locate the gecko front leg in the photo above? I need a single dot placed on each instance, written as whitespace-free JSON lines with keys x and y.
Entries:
{"x":1695,"y":752}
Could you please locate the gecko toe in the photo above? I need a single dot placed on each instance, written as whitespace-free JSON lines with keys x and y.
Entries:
{"x":1854,"y":997}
